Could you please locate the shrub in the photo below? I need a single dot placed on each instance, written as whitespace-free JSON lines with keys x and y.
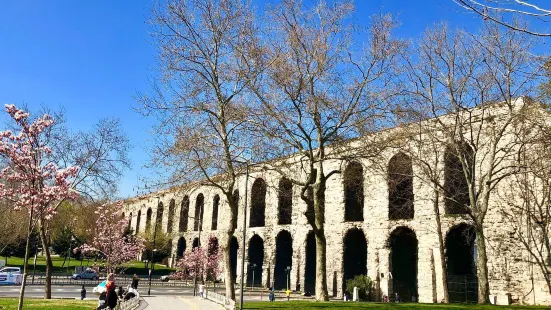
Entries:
{"x":364,"y":285}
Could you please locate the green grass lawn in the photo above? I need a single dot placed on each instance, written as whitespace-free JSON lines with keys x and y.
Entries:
{"x":377,"y":306}
{"x":63,"y":304}
{"x":134,"y":267}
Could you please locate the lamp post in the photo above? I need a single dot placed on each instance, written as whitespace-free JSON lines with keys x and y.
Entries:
{"x":244,"y":236}
{"x":70,"y":249}
{"x":199,"y":226}
{"x":153,"y":249}
{"x":288,"y":270}
{"x":34,"y":265}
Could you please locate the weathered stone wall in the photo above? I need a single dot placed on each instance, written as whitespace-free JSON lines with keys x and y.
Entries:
{"x":509,"y":267}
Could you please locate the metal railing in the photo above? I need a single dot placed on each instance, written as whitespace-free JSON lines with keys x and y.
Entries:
{"x":463,"y":289}
{"x":129,"y":304}
{"x":220,"y":299}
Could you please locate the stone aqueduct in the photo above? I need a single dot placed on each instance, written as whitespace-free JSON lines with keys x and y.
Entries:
{"x":385,"y":228}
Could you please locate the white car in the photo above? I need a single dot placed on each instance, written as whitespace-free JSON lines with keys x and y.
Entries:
{"x":10,"y":275}
{"x":14,"y":270}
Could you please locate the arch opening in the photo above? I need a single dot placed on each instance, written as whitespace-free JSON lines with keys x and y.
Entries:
{"x":400,"y":187}
{"x":184,"y":214}
{"x":196,"y":243}
{"x":456,"y":187}
{"x":461,"y":264}
{"x":171,"y":207}
{"x":199,"y":211}
{"x":215,"y":204}
{"x":159,"y":217}
{"x":148,"y":219}
{"x":310,"y":265}
{"x":353,"y":192}
{"x":256,"y":260}
{"x":285,"y":201}
{"x":234,"y":246}
{"x":181,"y":247}
{"x":235,"y":196}
{"x":284,"y":259}
{"x":403,"y":262}
{"x":258,"y":203}
{"x":355,"y":254}
{"x":138,"y":219}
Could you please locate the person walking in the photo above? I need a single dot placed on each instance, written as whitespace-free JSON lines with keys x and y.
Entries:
{"x":272,"y":294}
{"x":82,"y":293}
{"x":288,"y":293}
{"x":135,"y":281}
{"x":202,"y":289}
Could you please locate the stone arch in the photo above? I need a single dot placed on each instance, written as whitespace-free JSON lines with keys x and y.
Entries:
{"x":284,"y":258}
{"x":199,"y":211}
{"x":159,"y":218}
{"x":353,"y":192}
{"x":213,"y":245}
{"x":354,"y":254}
{"x":310,"y":264}
{"x":235,"y":197}
{"x":258,"y":203}
{"x":138,"y":219}
{"x":285,"y":201}
{"x":171,"y":207}
{"x":184,"y":214}
{"x":400,"y":187}
{"x":456,"y":188}
{"x":234,"y":247}
{"x":148,"y":219}
{"x":196,"y":243}
{"x":215,"y":205}
{"x":181,"y":247}
{"x":460,"y":263}
{"x":123,"y":215}
{"x":403,"y":246}
{"x":256,"y":260}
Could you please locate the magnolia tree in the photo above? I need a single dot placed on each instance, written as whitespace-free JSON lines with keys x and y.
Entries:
{"x":29,"y":180}
{"x":110,"y":239}
{"x":206,"y":264}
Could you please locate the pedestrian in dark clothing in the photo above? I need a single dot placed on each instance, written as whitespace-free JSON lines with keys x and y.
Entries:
{"x":120,"y":293}
{"x":272,"y":294}
{"x":135,"y":281}
{"x":111,"y":297}
{"x":82,"y":293}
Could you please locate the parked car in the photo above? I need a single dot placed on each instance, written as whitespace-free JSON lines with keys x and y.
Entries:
{"x":86,"y":274}
{"x":14,"y":270}
{"x":168,"y":278}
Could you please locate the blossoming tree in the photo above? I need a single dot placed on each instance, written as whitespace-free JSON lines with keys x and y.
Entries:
{"x":110,"y":238}
{"x":29,"y":180}
{"x":206,"y":264}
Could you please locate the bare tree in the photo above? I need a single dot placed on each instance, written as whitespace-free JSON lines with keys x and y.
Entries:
{"x":504,"y":13}
{"x":470,"y":86}
{"x":319,"y":89}
{"x":525,"y":200}
{"x":199,"y":97}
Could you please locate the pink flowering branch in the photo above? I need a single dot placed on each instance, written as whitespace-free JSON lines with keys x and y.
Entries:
{"x":206,"y":264}
{"x":110,"y":240}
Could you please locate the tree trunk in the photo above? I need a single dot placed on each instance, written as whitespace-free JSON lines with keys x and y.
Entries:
{"x":441,"y":247}
{"x":230,"y":283}
{"x":482,"y":267}
{"x":49,"y":264}
{"x":321,"y":243}
{"x":25,"y":262}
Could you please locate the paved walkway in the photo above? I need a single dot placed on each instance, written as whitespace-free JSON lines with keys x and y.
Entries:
{"x":178,"y":303}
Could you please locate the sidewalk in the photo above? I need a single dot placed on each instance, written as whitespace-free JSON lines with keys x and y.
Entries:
{"x":179,"y":302}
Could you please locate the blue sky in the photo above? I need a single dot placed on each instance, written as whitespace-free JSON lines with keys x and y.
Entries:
{"x":92,"y":57}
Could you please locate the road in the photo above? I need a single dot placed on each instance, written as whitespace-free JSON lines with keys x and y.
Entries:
{"x":73,"y":291}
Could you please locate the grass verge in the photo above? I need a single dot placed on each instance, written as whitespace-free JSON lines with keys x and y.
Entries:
{"x":282,"y":305}
{"x":63,"y":304}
